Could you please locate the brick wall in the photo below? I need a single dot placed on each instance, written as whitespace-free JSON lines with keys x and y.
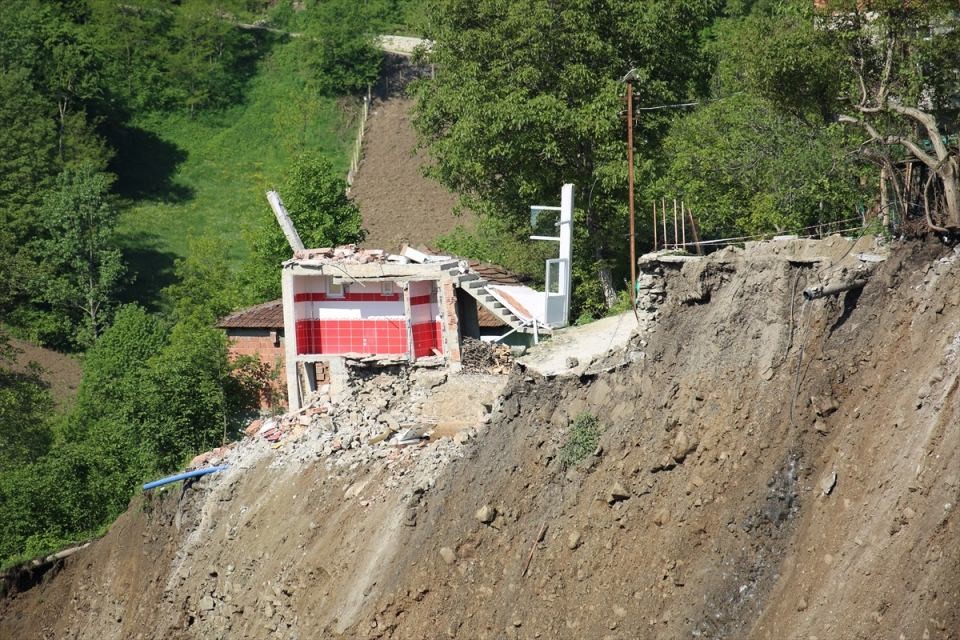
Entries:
{"x":451,"y":324}
{"x":264,"y":348}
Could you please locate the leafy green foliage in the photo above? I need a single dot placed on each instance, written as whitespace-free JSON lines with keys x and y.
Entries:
{"x":315,"y":197}
{"x":113,"y":369}
{"x":582,"y":440}
{"x":150,"y":398}
{"x":78,"y":266}
{"x":745,"y":166}
{"x":340,"y":47}
{"x":159,"y":56}
{"x":527,"y":96}
{"x":782,"y":56}
{"x":204,"y":288}
{"x":183,"y":403}
{"x":29,"y":148}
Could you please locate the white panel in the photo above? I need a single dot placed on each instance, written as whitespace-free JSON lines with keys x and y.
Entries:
{"x":421,"y":287}
{"x":332,"y":309}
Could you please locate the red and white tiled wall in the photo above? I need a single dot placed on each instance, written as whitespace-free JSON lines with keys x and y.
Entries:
{"x":364,"y":319}
{"x":425,"y":317}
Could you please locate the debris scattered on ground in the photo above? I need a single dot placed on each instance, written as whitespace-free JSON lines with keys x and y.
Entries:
{"x":485,"y":357}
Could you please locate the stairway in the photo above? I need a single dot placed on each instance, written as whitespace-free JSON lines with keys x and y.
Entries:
{"x":476,"y":286}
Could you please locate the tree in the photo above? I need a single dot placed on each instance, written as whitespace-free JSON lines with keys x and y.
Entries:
{"x":204,"y":286}
{"x":184,"y":408}
{"x":527,"y":96}
{"x":79,"y":266}
{"x":885,"y":67}
{"x":315,"y":196}
{"x":903,"y":88}
{"x":113,"y":369}
{"x":339,"y":48}
{"x":203,"y":65}
{"x":29,"y":142}
{"x":746,"y":167}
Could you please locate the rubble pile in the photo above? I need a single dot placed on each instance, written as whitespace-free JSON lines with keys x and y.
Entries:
{"x":485,"y":357}
{"x":348,"y":253}
{"x":379,"y":419}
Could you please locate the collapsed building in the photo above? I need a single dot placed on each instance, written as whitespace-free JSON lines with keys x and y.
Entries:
{"x":344,"y":305}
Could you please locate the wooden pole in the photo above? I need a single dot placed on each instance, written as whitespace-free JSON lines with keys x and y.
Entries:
{"x":683,"y":223}
{"x":654,"y":225}
{"x":633,"y":244}
{"x":675,"y":237}
{"x":663,"y":210}
{"x":696,"y":232}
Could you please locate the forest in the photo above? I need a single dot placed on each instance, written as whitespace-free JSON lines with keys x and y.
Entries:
{"x":137,"y":138}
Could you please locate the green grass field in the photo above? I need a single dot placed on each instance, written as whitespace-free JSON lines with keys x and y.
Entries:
{"x":213,"y":169}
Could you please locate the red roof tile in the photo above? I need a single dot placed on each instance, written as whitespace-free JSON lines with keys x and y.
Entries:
{"x":268,"y":315}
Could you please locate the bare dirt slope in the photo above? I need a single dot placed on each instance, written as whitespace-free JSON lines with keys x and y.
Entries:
{"x":60,"y":372}
{"x":710,"y":508}
{"x":399,"y":205}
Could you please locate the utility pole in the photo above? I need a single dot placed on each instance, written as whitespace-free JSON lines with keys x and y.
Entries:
{"x":629,"y":78}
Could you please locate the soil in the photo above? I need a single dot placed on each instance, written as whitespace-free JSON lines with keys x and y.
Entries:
{"x":767,"y":469}
{"x":398,"y":204}
{"x":60,"y":372}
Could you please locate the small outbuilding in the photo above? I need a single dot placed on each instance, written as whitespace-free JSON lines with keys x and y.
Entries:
{"x":257,"y":332}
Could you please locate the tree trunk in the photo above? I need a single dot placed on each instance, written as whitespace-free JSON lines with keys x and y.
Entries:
{"x":951,"y":194}
{"x":606,"y":283}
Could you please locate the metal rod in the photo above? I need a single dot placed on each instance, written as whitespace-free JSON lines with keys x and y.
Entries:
{"x":683,"y":224}
{"x":663,"y":210}
{"x":654,"y":225}
{"x":675,"y":238}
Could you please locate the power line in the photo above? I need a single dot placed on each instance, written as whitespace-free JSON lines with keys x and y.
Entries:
{"x":679,"y":105}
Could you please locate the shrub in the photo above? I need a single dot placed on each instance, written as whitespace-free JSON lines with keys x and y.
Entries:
{"x":582,"y":440}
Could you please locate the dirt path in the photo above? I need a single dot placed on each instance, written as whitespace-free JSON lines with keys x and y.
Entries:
{"x":397,"y":202}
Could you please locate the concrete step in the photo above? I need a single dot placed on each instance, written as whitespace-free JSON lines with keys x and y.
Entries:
{"x":477,"y":284}
{"x":467,"y":277}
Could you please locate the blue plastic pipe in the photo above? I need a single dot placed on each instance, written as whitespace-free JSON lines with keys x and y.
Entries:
{"x":184,"y":476}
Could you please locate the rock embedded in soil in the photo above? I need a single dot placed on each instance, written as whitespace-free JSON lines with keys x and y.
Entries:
{"x":616,"y":493}
{"x":486,"y":514}
{"x":828,"y":482}
{"x":448,"y":555}
{"x":683,"y":445}
{"x":574,"y":540}
{"x":661,"y":517}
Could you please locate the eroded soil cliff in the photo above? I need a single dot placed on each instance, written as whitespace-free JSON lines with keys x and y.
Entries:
{"x":768,"y":468}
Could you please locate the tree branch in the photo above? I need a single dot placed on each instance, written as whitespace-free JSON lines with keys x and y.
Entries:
{"x":927,"y":120}
{"x":912,"y":146}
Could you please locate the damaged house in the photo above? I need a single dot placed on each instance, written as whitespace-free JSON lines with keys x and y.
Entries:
{"x":344,"y":305}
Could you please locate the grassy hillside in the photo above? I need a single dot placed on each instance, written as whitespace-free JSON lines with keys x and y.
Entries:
{"x":213,"y":169}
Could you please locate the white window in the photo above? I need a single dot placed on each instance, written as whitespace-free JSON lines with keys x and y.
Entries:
{"x":335,"y":289}
{"x":386,"y":288}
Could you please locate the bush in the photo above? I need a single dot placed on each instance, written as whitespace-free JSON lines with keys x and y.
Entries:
{"x":582,"y":440}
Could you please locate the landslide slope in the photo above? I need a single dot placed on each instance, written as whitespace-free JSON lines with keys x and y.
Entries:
{"x":767,"y":469}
